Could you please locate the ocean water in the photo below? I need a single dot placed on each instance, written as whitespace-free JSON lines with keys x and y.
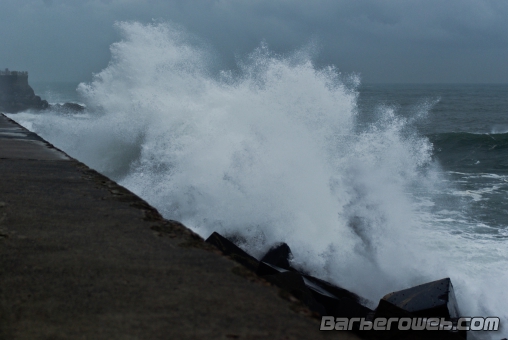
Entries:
{"x":375,"y":187}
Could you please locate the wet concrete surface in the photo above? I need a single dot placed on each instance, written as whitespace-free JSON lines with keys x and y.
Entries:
{"x":83,"y":258}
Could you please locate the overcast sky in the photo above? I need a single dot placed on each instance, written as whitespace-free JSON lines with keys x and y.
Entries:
{"x":382,"y":40}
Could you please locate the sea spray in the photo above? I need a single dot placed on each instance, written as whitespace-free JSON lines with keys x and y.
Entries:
{"x":274,"y":152}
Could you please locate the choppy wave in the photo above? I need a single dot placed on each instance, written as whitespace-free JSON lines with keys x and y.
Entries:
{"x":486,"y":141}
{"x":273,"y":153}
{"x":471,"y":151}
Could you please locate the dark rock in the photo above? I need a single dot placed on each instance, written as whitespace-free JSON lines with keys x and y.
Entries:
{"x":279,"y":256}
{"x":265,"y":269}
{"x":386,"y":309}
{"x":320,"y":296}
{"x":230,"y":249}
{"x":293,"y":283}
{"x":433,"y":299}
{"x":389,"y":310}
{"x":337,"y":291}
{"x":337,"y":301}
{"x":16,"y":95}
{"x":315,"y":295}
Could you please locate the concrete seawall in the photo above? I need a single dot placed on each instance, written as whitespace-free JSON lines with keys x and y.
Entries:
{"x":84,"y":258}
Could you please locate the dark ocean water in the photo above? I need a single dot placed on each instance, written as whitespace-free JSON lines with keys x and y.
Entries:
{"x":467,"y":125}
{"x":375,"y":188}
{"x":469,"y":108}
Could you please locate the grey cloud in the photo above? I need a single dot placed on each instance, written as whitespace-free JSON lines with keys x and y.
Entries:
{"x":385,"y":41}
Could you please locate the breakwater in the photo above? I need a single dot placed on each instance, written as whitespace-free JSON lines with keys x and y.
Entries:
{"x":82,"y":257}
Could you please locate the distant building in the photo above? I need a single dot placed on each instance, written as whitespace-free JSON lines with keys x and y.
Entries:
{"x":16,"y":94}
{"x":13,"y":73}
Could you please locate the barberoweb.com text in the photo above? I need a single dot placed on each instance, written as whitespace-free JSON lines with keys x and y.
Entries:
{"x":329,"y":323}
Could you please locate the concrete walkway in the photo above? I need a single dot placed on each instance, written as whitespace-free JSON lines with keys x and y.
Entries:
{"x":83,"y":258}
